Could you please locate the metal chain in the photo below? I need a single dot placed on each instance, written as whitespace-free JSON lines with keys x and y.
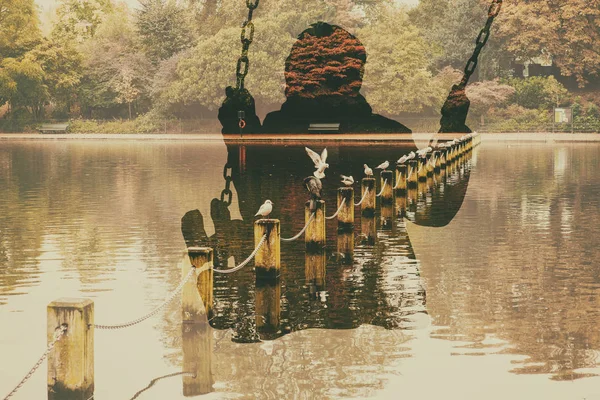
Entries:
{"x":382,"y":188}
{"x":246,"y":261}
{"x":363,"y":198}
{"x":480,"y":42}
{"x":58,"y":334}
{"x":338,"y":210}
{"x":247,"y":36}
{"x":157,"y":309}
{"x":301,"y":232}
{"x":226,"y":195}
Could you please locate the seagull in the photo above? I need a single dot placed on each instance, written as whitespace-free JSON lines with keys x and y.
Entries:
{"x":368,"y":171}
{"x":423,"y":152}
{"x":319,"y":161}
{"x":407,"y":157}
{"x":314,"y":186}
{"x":347,"y":180}
{"x":383,"y":165}
{"x":265,"y":209}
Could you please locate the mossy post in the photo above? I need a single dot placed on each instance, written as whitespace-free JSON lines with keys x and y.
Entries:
{"x":71,"y":361}
{"x":387,"y":193}
{"x":314,"y":236}
{"x":268,"y":258}
{"x":413,"y":167}
{"x":368,"y":205}
{"x":192,"y":310}
{"x":346,"y":214}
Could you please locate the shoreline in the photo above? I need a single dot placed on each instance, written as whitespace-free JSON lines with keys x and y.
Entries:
{"x":291,"y":138}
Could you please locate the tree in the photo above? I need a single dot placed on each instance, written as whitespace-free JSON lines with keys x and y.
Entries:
{"x":538,"y":92}
{"x":78,"y":20}
{"x":19,"y":27}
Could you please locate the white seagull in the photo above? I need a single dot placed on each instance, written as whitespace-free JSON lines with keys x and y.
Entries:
{"x":265,"y":209}
{"x":347,"y":180}
{"x":368,"y":171}
{"x":383,"y":165}
{"x":320,"y":162}
{"x":407,"y":157}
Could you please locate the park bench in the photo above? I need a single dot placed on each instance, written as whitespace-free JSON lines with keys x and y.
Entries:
{"x":53,"y":128}
{"x":329,"y":127}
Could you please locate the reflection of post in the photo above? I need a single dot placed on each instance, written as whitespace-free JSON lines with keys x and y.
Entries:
{"x":202,"y":259}
{"x":315,"y":232}
{"x":345,"y":245}
{"x":242,"y":158}
{"x":387,"y":195}
{"x":387,"y":213}
{"x":314,"y":270}
{"x":197,"y":358}
{"x":401,"y":205}
{"x":368,"y":228}
{"x":268,"y":306}
{"x":368,"y":205}
{"x":412,"y":200}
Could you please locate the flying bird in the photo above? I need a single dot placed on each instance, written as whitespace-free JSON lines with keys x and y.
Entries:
{"x":319,"y":161}
{"x":383,"y":165}
{"x":368,"y":171}
{"x":407,"y":157}
{"x":265,"y":209}
{"x":314,"y":186}
{"x":347,"y":180}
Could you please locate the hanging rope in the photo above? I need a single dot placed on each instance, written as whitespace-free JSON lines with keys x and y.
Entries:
{"x":363,"y":198}
{"x":312,"y":216}
{"x":246,"y":261}
{"x":338,"y":210}
{"x":382,"y":188}
{"x":398,"y":183}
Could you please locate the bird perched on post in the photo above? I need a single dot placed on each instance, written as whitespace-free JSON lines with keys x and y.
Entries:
{"x":314,"y":187}
{"x":383,"y":165}
{"x":347,"y":180}
{"x":407,"y":157}
{"x":368,"y":171}
{"x":423,"y":152}
{"x":319,"y":161}
{"x":265,"y":209}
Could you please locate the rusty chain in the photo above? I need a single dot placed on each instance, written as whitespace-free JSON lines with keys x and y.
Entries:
{"x":246,"y":38}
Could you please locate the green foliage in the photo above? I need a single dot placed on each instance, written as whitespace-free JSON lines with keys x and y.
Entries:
{"x":78,"y":20}
{"x":538,"y":92}
{"x":19,"y":27}
{"x":118,"y":126}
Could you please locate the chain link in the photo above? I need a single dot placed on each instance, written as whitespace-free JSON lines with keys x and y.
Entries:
{"x":58,"y":334}
{"x":246,"y":38}
{"x":226,"y":194}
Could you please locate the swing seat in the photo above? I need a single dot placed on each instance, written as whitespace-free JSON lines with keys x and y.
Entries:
{"x":329,"y":127}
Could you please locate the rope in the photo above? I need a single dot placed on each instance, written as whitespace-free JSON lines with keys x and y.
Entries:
{"x":382,"y":188}
{"x":157,"y":309}
{"x":246,"y":261}
{"x":57,"y":336}
{"x":338,"y":210}
{"x":301,"y":232}
{"x":398,"y":183}
{"x":363,"y":198}
{"x":153,"y":381}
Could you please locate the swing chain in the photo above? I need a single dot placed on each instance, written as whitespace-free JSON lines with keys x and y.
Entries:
{"x":246,"y":38}
{"x":480,"y":42}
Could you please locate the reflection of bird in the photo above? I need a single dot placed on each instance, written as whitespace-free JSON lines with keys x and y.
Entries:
{"x":319,"y":161}
{"x":368,"y":171}
{"x":407,"y":157}
{"x":347,"y":180}
{"x":314,"y":187}
{"x":265,"y":209}
{"x":383,"y":165}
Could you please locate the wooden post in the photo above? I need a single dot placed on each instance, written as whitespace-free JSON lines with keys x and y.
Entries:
{"x":412,"y":198}
{"x":413,"y":167}
{"x":387,"y":195}
{"x":387,"y":214}
{"x":429,"y":168}
{"x":401,"y":205}
{"x":422,"y":169}
{"x":192,"y":310}
{"x":268,"y":307}
{"x":345,"y":246}
{"x":438,"y":162}
{"x":368,"y":205}
{"x":268,"y":258}
{"x":368,"y":229}
{"x":443,"y":154}
{"x":71,"y":362}
{"x":314,"y":270}
{"x":401,"y":179}
{"x":346,"y":214}
{"x":315,"y":232}
{"x":197,"y":346}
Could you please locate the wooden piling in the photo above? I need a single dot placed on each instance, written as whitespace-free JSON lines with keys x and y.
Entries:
{"x":368,"y":229}
{"x":268,"y":258}
{"x":413,"y":167}
{"x":314,"y":236}
{"x":412,"y":198}
{"x":197,"y":346}
{"x":401,"y":179}
{"x":422,"y":169}
{"x":71,"y":362}
{"x":443,"y":156}
{"x":438,"y":162}
{"x":315,"y":269}
{"x":345,"y":246}
{"x":401,"y":205}
{"x":268,"y":307}
{"x":346,"y":214}
{"x":428,"y":166}
{"x":192,"y":309}
{"x":368,"y":205}
{"x":387,"y":195}
{"x":387,"y":214}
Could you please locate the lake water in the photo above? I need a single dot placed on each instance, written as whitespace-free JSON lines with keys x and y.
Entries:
{"x":501,"y":302}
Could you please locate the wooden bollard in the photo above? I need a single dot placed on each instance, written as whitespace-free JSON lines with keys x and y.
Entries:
{"x":401,"y":179}
{"x":368,"y":205}
{"x":268,"y":307}
{"x":413,"y":167}
{"x":346,"y":214}
{"x":192,"y":309}
{"x":422,"y":169}
{"x":314,"y":236}
{"x":71,"y":362}
{"x":438,"y":162}
{"x":197,"y":346}
{"x":387,"y":195}
{"x":268,"y":258}
{"x":428,"y":165}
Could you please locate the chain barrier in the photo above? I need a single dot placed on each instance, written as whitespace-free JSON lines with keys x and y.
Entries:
{"x":363,"y":198}
{"x":246,"y":261}
{"x":58,"y":334}
{"x":157,"y":309}
{"x":301,"y":232}
{"x":480,"y":42}
{"x":246,"y":38}
{"x":338,"y":210}
{"x":382,"y":188}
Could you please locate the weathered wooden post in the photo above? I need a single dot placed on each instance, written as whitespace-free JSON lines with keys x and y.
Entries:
{"x":71,"y":362}
{"x":197,"y":346}
{"x":268,"y":258}
{"x":315,"y":232}
{"x":401,"y":205}
{"x":346,"y":214}
{"x":202,"y":259}
{"x":268,"y":285}
{"x":411,"y":199}
{"x":387,"y":193}
{"x":401,"y":179}
{"x":438,"y":162}
{"x":429,"y":165}
{"x":368,"y":205}
{"x":422,"y":171}
{"x":443,"y":155}
{"x":413,"y":167}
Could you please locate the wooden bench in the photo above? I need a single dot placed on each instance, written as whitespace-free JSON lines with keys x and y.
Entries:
{"x":329,"y":127}
{"x":53,"y":128}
